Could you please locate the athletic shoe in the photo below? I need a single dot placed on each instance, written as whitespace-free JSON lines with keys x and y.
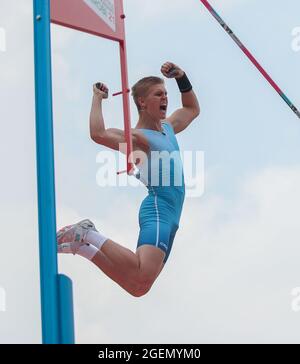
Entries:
{"x":69,"y":248}
{"x":72,"y":237}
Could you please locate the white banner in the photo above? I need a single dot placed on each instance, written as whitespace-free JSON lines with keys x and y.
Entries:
{"x":105,"y":9}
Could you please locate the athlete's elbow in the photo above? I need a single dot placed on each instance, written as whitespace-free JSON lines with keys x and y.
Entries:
{"x":97,"y":137}
{"x":196,"y":111}
{"x":196,"y":114}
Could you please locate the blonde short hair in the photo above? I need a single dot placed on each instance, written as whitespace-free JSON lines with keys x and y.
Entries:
{"x":141,"y":88}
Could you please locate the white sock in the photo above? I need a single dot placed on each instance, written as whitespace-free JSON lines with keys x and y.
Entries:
{"x":95,"y":238}
{"x":87,"y":251}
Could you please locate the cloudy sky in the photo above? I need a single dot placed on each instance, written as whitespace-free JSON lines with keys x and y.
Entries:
{"x":235,"y":260}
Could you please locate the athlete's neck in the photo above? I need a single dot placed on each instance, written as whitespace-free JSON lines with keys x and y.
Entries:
{"x":146,"y":122}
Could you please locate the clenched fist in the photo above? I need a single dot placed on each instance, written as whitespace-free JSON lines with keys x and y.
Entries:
{"x":100,"y":90}
{"x":171,"y":70}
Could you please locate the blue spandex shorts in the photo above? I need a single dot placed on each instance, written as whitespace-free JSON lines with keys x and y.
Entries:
{"x":159,"y":222}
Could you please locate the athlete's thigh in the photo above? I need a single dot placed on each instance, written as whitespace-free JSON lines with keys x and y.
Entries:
{"x":171,"y":241}
{"x":151,"y":260}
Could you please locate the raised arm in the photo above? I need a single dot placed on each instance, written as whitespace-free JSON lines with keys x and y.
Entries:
{"x":190,"y":109}
{"x":111,"y":137}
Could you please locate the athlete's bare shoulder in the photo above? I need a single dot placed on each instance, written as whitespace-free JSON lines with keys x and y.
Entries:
{"x":139,"y":141}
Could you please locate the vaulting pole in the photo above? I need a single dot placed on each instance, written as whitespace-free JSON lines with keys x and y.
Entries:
{"x":250,"y":56}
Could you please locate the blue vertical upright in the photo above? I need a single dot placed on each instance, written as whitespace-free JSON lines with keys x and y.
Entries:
{"x":56,"y":290}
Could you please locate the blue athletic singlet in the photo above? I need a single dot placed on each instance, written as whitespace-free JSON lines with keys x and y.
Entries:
{"x":162,"y":174}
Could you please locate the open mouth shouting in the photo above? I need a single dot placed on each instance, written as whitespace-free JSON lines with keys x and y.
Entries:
{"x":163,"y":107}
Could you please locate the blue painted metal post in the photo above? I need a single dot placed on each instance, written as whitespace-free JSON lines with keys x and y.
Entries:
{"x":66,"y":310}
{"x":52,"y":321}
{"x":45,"y":173}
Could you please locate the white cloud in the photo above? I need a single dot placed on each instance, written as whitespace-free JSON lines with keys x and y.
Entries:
{"x":2,"y":40}
{"x":62,"y":38}
{"x":19,"y":44}
{"x":19,"y":272}
{"x":65,"y":86}
{"x":156,"y":11}
{"x":162,"y":9}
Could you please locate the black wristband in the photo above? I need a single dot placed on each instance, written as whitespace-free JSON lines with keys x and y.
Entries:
{"x":184,"y":84}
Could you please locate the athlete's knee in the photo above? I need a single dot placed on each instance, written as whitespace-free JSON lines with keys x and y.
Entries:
{"x":143,"y":284}
{"x":140,"y":291}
